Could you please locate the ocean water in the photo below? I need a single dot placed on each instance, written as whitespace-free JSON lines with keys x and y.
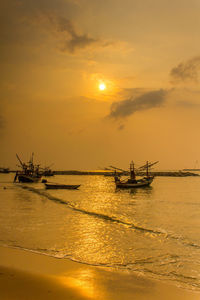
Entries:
{"x":154,"y":231}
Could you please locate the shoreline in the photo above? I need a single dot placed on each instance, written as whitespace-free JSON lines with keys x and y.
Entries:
{"x":27,"y":275}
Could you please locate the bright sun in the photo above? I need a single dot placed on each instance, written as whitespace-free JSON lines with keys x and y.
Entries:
{"x":102,"y":86}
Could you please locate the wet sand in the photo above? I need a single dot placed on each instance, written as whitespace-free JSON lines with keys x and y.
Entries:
{"x":27,"y":276}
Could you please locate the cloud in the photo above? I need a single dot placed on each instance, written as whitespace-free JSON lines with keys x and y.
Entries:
{"x":187,"y":70}
{"x":148,"y":100}
{"x":33,"y":23}
{"x":72,"y":39}
{"x":45,"y":16}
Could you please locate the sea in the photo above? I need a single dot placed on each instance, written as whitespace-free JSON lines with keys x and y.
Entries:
{"x":152,"y":231}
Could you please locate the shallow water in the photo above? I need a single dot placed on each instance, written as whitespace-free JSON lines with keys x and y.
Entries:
{"x":154,"y":231}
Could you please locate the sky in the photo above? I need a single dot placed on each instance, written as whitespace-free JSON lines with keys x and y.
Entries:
{"x":55,"y":54}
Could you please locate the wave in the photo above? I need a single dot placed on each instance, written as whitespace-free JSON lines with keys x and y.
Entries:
{"x":113,"y":219}
{"x":139,"y":267}
{"x":91,"y":213}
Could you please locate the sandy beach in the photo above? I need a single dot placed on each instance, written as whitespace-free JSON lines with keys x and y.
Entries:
{"x":25,"y":275}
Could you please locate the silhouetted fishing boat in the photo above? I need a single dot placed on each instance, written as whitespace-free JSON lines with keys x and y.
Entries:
{"x":132,"y":182}
{"x":29,"y":173}
{"x":61,"y":186}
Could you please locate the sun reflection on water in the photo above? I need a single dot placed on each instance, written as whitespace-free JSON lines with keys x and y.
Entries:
{"x":84,"y":281}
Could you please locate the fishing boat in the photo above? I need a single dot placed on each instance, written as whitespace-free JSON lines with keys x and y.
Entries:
{"x":132,"y":182}
{"x":61,"y":186}
{"x":29,"y":172}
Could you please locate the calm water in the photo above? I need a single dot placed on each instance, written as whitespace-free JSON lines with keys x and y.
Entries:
{"x":154,"y":231}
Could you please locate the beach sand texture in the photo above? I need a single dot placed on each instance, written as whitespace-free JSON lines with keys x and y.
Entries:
{"x":27,"y":276}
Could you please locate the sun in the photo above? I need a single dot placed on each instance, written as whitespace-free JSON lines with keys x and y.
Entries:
{"x":102,"y":86}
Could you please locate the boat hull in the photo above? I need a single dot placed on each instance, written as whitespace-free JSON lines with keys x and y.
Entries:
{"x":129,"y":185}
{"x":61,"y":186}
{"x":26,"y":178}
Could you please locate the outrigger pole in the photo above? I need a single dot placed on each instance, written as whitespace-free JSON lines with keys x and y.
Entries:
{"x":21,"y":163}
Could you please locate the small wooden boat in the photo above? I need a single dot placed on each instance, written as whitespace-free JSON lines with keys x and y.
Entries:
{"x":132,"y":182}
{"x":61,"y":186}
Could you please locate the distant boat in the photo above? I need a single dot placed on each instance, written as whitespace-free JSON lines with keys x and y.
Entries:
{"x":4,"y":170}
{"x":132,"y":182}
{"x":61,"y":186}
{"x":195,"y":168}
{"x":29,"y":173}
{"x":47,"y":172}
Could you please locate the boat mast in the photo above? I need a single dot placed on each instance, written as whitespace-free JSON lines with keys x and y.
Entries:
{"x":147,"y":169}
{"x":132,"y":171}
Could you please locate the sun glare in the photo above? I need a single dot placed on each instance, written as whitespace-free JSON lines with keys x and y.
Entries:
{"x":102,"y":86}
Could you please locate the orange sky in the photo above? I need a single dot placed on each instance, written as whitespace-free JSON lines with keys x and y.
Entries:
{"x":55,"y":53}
